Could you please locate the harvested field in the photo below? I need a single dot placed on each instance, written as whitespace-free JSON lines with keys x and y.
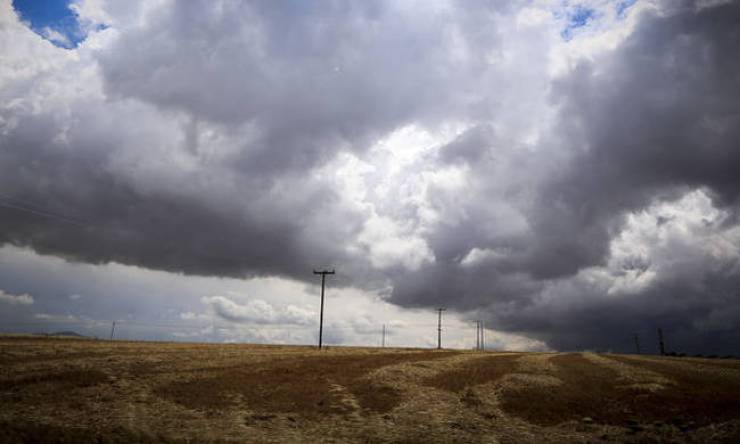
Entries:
{"x":76,"y":390}
{"x":299,"y":386}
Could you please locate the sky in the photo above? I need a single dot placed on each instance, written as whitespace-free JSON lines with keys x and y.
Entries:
{"x":565,"y":171}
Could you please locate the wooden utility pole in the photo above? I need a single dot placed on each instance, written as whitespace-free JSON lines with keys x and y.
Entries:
{"x":477,"y":335}
{"x":112,"y":330}
{"x":482,"y":335}
{"x":661,"y":344}
{"x":637,"y":344}
{"x":439,"y":328}
{"x":321,"y":316}
{"x":383,"y":342}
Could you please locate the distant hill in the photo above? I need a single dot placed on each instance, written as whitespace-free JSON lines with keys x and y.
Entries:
{"x":67,"y":333}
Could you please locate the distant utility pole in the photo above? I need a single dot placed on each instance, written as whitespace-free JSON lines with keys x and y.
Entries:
{"x":112,"y":330}
{"x":480,"y":339}
{"x":439,"y":328}
{"x":482,"y":335}
{"x":383,"y":342}
{"x":477,"y":335}
{"x":321,"y":316}
{"x":661,"y":344}
{"x":637,"y":343}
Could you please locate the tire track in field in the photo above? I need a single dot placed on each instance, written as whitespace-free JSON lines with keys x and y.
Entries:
{"x":438,"y":401}
{"x":691,"y":365}
{"x":702,"y":394}
{"x":533,"y":370}
{"x":460,"y":400}
{"x":632,"y":376}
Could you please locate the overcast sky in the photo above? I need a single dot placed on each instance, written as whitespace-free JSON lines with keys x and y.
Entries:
{"x":566,"y":171}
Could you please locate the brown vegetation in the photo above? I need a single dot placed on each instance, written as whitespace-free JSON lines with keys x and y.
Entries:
{"x":586,"y":390}
{"x":72,"y":390}
{"x":694,"y":399}
{"x":299,"y":385}
{"x":474,"y":372}
{"x":700,"y":395}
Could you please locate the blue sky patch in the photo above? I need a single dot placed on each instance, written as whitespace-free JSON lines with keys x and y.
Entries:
{"x":53,"y":20}
{"x":623,"y":6}
{"x":577,"y":17}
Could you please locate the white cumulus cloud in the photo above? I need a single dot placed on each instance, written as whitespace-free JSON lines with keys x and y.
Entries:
{"x":21,"y":299}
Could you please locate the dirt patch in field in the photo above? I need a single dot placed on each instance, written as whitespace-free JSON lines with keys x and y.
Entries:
{"x":62,"y":390}
{"x":61,"y":380}
{"x":587,"y":390}
{"x":688,"y":398}
{"x":699,"y":396}
{"x":474,"y":372}
{"x":297,"y":385}
{"x":713,"y":365}
{"x":632,"y":376}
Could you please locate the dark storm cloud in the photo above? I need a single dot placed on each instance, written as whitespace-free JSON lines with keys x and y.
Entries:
{"x":660,"y":113}
{"x":469,"y":147}
{"x":115,"y":220}
{"x":695,"y":302}
{"x":310,"y":79}
{"x":658,"y":116}
{"x":283,"y":87}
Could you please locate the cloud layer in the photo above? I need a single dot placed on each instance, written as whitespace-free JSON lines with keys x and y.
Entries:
{"x":570,"y":175}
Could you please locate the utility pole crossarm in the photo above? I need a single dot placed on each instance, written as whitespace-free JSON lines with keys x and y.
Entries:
{"x":323,"y":272}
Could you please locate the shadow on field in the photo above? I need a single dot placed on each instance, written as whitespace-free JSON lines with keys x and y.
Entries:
{"x":32,"y":433}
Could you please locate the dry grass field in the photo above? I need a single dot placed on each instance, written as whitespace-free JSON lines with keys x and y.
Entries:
{"x":76,"y":390}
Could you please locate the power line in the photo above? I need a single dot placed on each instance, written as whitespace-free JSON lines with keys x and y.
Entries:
{"x":177,"y":330}
{"x":170,"y":325}
{"x":38,"y":211}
